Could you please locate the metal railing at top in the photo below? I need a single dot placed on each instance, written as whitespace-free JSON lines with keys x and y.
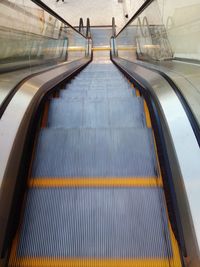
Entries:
{"x":144,"y":36}
{"x":85,"y":30}
{"x":161,"y":31}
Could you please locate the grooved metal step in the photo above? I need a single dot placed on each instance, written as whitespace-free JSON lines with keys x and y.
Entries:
{"x":119,"y":152}
{"x":97,"y":85}
{"x":105,"y":93}
{"x":97,"y":113}
{"x":95,"y":223}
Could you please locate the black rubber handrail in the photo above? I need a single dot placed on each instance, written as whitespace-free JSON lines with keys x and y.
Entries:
{"x":138,"y":12}
{"x":113,"y":27}
{"x":81,"y":26}
{"x":88,"y":31}
{"x":53,"y":13}
{"x":8,"y":98}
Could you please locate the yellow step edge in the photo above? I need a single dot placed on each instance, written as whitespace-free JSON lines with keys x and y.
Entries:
{"x":175,"y":261}
{"x":101,"y":48}
{"x":147,"y":115}
{"x":75,"y":49}
{"x":85,"y":262}
{"x":137,"y":92}
{"x":95,"y":182}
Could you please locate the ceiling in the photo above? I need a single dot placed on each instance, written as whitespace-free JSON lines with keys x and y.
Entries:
{"x":100,"y":12}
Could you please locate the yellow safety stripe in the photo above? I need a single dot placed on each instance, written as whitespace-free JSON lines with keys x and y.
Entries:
{"x":101,"y":48}
{"x":88,"y":262}
{"x":147,"y":115}
{"x":137,"y":92}
{"x":95,"y":182}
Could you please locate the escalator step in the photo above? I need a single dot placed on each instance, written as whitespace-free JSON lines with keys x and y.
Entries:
{"x":98,"y":223}
{"x":99,"y":78}
{"x":95,"y":153}
{"x":105,"y":92}
{"x":66,"y":114}
{"x":97,"y":113}
{"x":95,"y":86}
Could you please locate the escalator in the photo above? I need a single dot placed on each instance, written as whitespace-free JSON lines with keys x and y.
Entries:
{"x":95,"y":194}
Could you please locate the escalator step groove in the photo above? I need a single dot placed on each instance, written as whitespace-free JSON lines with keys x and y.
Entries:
{"x":97,"y":223}
{"x":95,"y":153}
{"x":97,"y":113}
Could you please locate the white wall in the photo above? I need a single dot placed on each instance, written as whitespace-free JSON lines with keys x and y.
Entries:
{"x":184,"y":29}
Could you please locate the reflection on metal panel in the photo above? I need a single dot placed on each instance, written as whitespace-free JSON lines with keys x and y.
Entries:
{"x":32,"y":40}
